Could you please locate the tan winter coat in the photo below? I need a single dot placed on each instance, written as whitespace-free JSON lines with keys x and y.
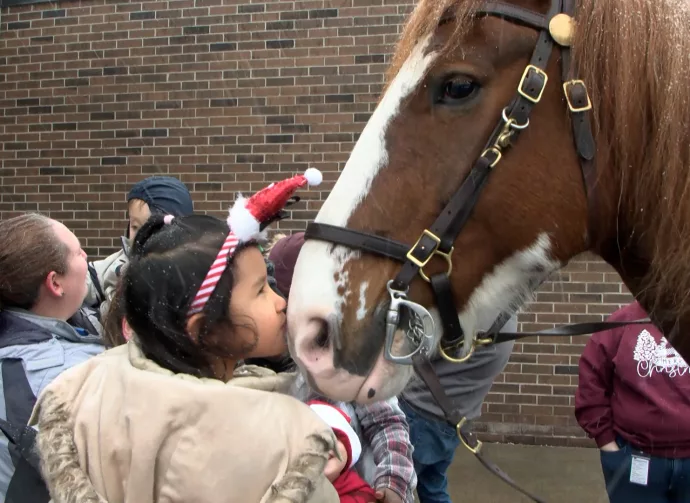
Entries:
{"x":119,"y":428}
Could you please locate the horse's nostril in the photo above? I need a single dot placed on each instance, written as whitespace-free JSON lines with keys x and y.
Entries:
{"x":322,"y":339}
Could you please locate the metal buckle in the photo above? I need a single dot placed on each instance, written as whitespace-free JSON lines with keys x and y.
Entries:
{"x":484,"y":342}
{"x":494,"y":150}
{"x":458,"y":428}
{"x":571,"y":106}
{"x":414,"y":259}
{"x":398,"y":299}
{"x":422,"y":264}
{"x":524,"y":77}
{"x":462,"y":359}
{"x":449,"y":260}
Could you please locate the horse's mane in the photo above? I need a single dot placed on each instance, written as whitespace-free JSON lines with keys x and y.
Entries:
{"x":634,"y":56}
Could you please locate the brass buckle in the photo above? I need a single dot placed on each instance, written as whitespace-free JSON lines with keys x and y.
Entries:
{"x":458,"y":428}
{"x":414,"y":259}
{"x":522,"y":83}
{"x":422,"y":264}
{"x":449,"y":261}
{"x":571,"y":106}
{"x":496,"y":151}
{"x":449,"y":358}
{"x":484,"y":342}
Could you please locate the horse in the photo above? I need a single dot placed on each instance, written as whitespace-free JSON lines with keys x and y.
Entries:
{"x":599,"y":161}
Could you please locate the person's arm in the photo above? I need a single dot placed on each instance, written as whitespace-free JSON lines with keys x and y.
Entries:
{"x":593,"y":396}
{"x":385,"y":428}
{"x":102,"y":278}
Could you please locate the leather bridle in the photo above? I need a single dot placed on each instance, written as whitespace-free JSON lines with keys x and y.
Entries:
{"x":556,"y":27}
{"x":437,"y":241}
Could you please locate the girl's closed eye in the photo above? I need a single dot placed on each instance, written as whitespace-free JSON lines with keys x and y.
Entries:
{"x":263,"y":282}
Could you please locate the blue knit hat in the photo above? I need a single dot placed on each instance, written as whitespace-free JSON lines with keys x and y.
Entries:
{"x":163,"y":194}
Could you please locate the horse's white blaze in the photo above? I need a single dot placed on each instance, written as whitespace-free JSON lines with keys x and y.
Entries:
{"x":317,"y":277}
{"x":508,"y":286}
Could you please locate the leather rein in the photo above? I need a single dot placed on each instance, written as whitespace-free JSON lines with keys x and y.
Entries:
{"x":556,"y":27}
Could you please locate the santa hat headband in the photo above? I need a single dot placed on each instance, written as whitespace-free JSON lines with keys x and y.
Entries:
{"x":339,"y":421}
{"x":245,"y":220}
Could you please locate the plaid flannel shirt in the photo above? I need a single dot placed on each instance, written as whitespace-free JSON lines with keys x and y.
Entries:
{"x":384,"y":427}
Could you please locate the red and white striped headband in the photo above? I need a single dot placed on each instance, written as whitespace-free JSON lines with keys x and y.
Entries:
{"x":245,"y":219}
{"x":214,"y":274}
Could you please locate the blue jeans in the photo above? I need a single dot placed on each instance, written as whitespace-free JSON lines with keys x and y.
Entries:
{"x":668,"y":480}
{"x":434,"y":445}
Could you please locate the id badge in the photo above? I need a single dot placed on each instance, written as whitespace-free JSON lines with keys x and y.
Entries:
{"x":639,"y":470}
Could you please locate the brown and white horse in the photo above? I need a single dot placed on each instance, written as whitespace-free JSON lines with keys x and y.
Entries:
{"x":453,"y":73}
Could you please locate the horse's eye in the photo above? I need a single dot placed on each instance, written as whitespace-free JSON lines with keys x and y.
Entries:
{"x":458,"y":89}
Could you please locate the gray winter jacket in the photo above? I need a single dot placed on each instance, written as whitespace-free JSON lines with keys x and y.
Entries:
{"x":33,"y":349}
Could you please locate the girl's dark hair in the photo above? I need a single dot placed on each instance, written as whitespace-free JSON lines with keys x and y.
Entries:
{"x":29,"y":251}
{"x":168,"y":263}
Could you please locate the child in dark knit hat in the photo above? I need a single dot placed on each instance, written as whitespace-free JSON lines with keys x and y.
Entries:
{"x":155,"y":195}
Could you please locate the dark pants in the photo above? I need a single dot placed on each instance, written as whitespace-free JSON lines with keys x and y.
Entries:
{"x":434,"y":445}
{"x":668,"y":480}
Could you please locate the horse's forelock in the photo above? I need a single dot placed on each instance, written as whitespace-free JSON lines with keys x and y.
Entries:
{"x":423,"y":21}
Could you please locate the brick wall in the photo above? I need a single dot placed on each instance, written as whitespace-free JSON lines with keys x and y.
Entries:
{"x":228,"y":95}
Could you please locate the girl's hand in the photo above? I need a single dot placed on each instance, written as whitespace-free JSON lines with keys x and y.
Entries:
{"x":610,"y":447}
{"x":387,"y":496}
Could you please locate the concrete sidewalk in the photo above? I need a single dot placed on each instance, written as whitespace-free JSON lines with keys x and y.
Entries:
{"x":555,"y":474}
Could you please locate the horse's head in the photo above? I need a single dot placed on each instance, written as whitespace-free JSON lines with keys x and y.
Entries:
{"x":453,"y":75}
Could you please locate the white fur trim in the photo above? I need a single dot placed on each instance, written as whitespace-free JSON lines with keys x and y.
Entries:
{"x":313,"y":176}
{"x":242,"y":222}
{"x":335,"y":419}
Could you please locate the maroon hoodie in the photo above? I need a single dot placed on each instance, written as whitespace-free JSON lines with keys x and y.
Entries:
{"x":634,"y":384}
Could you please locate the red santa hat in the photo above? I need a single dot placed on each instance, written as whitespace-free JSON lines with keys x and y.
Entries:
{"x":339,"y":421}
{"x":245,"y":220}
{"x":247,"y":215}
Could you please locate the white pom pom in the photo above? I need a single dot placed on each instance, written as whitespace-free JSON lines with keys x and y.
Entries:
{"x":241,"y":222}
{"x":313,"y":176}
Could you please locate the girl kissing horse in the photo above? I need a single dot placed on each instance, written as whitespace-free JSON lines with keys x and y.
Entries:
{"x":585,"y":106}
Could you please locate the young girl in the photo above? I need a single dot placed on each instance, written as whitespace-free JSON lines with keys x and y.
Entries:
{"x":169,"y":416}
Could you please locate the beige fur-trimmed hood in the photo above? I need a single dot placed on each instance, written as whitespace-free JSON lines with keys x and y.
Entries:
{"x":119,"y":428}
